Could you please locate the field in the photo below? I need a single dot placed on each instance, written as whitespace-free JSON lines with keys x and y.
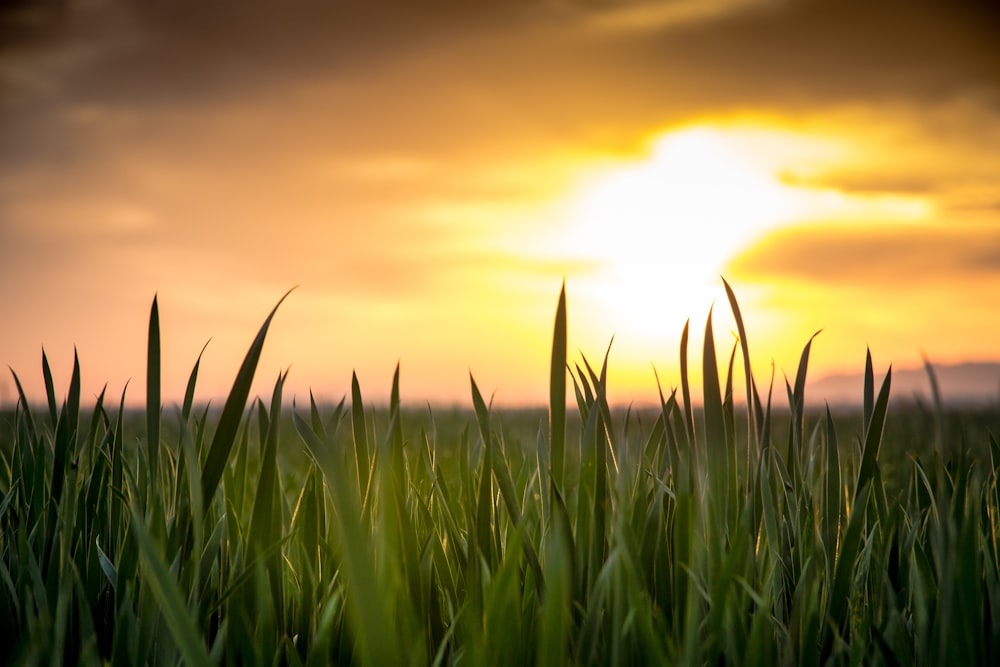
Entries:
{"x":264,"y":534}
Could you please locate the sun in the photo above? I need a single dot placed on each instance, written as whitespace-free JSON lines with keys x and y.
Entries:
{"x":660,"y":230}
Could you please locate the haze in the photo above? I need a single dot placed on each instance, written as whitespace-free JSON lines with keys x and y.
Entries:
{"x":428,"y":173}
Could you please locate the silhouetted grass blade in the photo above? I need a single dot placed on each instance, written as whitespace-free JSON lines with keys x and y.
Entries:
{"x":153,"y":401}
{"x":686,"y":387}
{"x":66,"y":433}
{"x":50,"y":390}
{"x":715,"y":433}
{"x":484,"y":501}
{"x":189,"y":389}
{"x":557,"y":393}
{"x":873,"y":434}
{"x":359,"y":432}
{"x":753,"y":400}
{"x":232,"y":412}
{"x":869,"y":389}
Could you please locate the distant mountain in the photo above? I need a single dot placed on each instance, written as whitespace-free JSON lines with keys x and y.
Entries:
{"x":970,"y":383}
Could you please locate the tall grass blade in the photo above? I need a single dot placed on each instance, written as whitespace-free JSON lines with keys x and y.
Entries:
{"x":557,"y":394}
{"x":359,"y":433}
{"x":189,"y":389}
{"x":66,"y":433}
{"x":834,"y":494}
{"x":232,"y":412}
{"x":873,"y":434}
{"x":153,"y":402}
{"x":753,"y":400}
{"x":869,"y":390}
{"x":715,"y":430}
{"x":686,"y":386}
{"x":484,"y":501}
{"x":938,"y":408}
{"x":50,"y":390}
{"x":798,"y":396}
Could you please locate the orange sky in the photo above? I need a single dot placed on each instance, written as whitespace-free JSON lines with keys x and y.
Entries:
{"x":429,"y":172}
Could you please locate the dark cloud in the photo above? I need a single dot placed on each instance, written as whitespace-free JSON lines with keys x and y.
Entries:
{"x":819,"y":52}
{"x":161,"y":51}
{"x":188,"y":109}
{"x":899,"y":254}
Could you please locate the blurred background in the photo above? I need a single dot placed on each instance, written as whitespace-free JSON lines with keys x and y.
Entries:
{"x":429,"y":172}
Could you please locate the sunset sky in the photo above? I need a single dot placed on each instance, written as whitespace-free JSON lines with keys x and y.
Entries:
{"x":429,"y":172}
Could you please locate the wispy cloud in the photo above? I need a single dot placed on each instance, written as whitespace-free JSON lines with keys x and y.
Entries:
{"x":864,"y":254}
{"x":651,"y":15}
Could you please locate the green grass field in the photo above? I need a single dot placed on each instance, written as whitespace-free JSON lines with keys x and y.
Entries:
{"x":259,"y":534}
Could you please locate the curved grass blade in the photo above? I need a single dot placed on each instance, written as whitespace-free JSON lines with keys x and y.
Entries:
{"x":24,"y":403}
{"x":798,"y":394}
{"x":800,"y":375}
{"x":484,"y":502}
{"x":753,"y":400}
{"x":232,"y":414}
{"x":192,"y":381}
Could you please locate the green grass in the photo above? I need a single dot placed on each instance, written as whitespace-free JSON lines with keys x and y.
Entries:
{"x":352,"y":535}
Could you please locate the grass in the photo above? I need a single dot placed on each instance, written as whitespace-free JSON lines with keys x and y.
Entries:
{"x":353,"y":535}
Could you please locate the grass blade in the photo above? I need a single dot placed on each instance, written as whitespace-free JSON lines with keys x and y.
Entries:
{"x":360,"y":433}
{"x":192,"y":381}
{"x":715,"y":431}
{"x":873,"y":434}
{"x":50,"y":389}
{"x":557,"y":393}
{"x":164,"y":587}
{"x":686,"y":386}
{"x":232,"y":413}
{"x":153,"y":403}
{"x":753,"y":434}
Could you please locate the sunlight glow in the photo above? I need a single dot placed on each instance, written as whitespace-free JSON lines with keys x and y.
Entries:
{"x":662,"y":230}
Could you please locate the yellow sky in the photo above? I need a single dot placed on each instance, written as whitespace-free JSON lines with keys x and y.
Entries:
{"x":429,"y":175}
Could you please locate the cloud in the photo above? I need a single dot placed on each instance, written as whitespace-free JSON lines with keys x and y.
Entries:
{"x":858,"y":255}
{"x":648,"y":16}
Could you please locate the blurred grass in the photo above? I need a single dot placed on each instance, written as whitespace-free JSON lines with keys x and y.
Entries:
{"x":361,"y":534}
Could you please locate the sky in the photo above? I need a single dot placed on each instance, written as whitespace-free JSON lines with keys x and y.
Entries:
{"x":428,"y":173}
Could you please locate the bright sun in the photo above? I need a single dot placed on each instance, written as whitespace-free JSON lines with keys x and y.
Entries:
{"x":661,"y":230}
{"x":646,"y":239}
